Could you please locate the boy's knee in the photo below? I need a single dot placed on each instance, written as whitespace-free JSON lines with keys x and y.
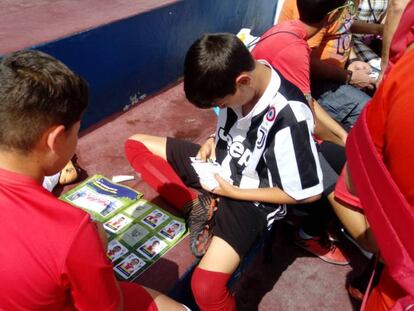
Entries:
{"x":210,"y":290}
{"x":134,"y":149}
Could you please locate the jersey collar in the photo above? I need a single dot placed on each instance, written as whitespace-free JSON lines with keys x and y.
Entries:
{"x":263,"y":102}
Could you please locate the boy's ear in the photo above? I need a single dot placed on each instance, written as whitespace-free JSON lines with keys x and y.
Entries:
{"x":53,"y":136}
{"x":243,"y":79}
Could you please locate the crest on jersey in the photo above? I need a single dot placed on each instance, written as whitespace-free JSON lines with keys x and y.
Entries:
{"x":271,"y":114}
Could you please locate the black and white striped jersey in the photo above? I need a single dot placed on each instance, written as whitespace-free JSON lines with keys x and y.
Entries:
{"x":288,"y":158}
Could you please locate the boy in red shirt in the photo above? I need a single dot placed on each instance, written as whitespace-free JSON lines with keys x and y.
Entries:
{"x":53,"y":256}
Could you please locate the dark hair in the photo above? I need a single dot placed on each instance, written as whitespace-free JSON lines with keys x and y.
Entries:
{"x":36,"y":92}
{"x":211,"y":67}
{"x":314,"y":11}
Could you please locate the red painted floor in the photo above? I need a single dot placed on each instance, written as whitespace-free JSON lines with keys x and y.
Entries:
{"x":294,"y":280}
{"x":22,"y":22}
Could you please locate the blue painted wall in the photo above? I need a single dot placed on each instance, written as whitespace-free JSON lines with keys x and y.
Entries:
{"x":141,"y":55}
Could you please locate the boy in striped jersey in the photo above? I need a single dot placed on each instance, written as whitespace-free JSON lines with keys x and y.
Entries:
{"x":263,"y":142}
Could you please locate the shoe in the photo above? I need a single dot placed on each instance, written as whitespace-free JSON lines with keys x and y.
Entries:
{"x":71,"y":172}
{"x":323,"y":248}
{"x":200,"y":223}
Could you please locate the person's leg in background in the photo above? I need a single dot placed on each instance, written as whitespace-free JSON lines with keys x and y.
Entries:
{"x":314,"y":235}
{"x":344,"y":103}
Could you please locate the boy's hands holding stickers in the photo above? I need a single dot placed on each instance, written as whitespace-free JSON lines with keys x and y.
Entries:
{"x":209,"y":171}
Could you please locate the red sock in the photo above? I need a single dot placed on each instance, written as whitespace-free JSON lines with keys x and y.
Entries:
{"x":159,"y":174}
{"x":211,"y":292}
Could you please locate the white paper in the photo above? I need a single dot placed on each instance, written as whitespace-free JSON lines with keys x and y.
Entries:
{"x":206,"y":171}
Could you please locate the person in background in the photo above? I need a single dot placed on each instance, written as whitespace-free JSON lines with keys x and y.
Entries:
{"x":336,"y":86}
{"x":380,"y":157}
{"x":285,"y":47}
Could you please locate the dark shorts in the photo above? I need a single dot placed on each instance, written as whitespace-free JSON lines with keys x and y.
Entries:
{"x":332,"y":159}
{"x":329,"y":175}
{"x":239,"y":223}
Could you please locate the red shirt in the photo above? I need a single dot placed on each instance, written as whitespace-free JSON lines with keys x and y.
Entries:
{"x":390,"y":121}
{"x":284,"y":47}
{"x":51,"y":257}
{"x":403,"y":36}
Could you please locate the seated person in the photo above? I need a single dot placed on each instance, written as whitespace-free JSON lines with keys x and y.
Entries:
{"x":367,"y":32}
{"x":388,"y":121}
{"x":336,"y":88}
{"x":284,"y":46}
{"x":387,"y":116}
{"x":269,"y":170}
{"x":53,"y":256}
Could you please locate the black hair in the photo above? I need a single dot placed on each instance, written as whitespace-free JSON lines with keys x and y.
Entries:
{"x":211,"y":67}
{"x":314,"y":11}
{"x":36,"y":92}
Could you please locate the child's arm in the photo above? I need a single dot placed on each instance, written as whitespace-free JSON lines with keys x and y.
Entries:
{"x":269,"y":195}
{"x":207,"y":150}
{"x":327,"y":128}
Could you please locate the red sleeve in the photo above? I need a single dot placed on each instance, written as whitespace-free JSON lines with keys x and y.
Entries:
{"x":89,"y":273}
{"x":293,"y":63}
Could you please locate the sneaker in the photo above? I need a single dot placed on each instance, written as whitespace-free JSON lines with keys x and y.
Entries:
{"x":323,"y":248}
{"x":200,"y":223}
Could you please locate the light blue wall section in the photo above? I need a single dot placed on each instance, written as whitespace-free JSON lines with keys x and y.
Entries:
{"x":141,"y":55}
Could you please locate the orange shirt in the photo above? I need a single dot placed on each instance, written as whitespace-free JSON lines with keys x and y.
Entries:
{"x":390,"y":121}
{"x":333,"y":42}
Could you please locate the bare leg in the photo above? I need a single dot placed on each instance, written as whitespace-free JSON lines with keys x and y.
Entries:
{"x":213,"y":259}
{"x":355,"y":223}
{"x":156,"y":144}
{"x":164,"y":302}
{"x":210,"y":278}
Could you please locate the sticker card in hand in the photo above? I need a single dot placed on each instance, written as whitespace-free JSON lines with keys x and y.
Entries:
{"x":117,"y":223}
{"x":134,"y":234}
{"x":116,"y":250}
{"x":129,"y":266}
{"x":155,"y":218}
{"x":152,"y":247}
{"x":172,"y":230}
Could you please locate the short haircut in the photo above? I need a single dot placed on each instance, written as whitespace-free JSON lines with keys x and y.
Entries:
{"x":314,"y":11}
{"x":211,"y":67}
{"x":36,"y":92}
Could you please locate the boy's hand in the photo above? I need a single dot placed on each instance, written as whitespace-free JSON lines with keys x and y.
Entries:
{"x":224,"y":188}
{"x":361,"y":75}
{"x":207,"y":150}
{"x":361,"y":79}
{"x":358,"y":65}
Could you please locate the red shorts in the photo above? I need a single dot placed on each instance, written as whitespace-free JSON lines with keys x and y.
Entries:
{"x":342,"y":193}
